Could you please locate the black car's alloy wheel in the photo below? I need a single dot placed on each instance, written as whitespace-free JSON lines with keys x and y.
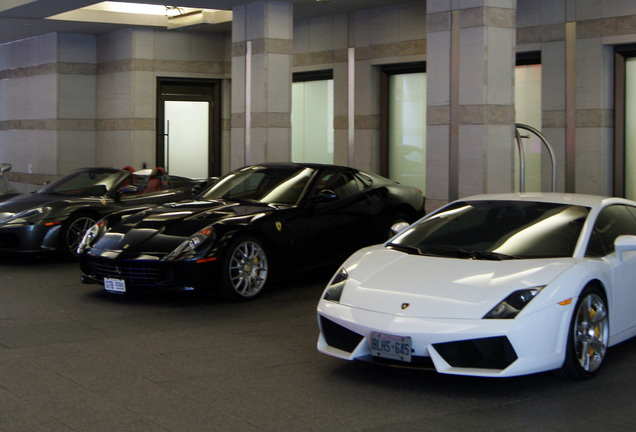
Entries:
{"x":589,"y":335}
{"x":245,"y":270}
{"x":73,"y":231}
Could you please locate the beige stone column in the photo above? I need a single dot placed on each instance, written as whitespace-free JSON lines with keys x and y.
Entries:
{"x":470,"y":96}
{"x":261,"y":83}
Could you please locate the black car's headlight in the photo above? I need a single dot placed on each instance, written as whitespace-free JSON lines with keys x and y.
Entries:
{"x":335,"y":287}
{"x":27,"y":215}
{"x":91,"y":235}
{"x":513,"y":304}
{"x":193,"y":244}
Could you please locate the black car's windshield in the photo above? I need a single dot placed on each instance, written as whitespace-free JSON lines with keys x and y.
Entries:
{"x":94,"y":182}
{"x":271,"y":185}
{"x":497,"y":230}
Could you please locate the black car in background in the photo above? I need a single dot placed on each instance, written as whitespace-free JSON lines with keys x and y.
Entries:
{"x":56,"y":217}
{"x":255,"y":220}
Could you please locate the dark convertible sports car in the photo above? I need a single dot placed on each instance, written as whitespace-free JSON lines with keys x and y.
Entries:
{"x":56,"y":217}
{"x":255,"y":220}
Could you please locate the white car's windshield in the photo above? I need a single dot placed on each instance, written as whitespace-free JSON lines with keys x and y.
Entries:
{"x":497,"y":230}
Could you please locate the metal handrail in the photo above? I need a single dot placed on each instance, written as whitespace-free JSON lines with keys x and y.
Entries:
{"x":522,"y":174}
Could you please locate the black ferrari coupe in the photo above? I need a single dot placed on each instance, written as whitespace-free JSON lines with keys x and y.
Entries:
{"x":56,"y":217}
{"x":254,"y":221}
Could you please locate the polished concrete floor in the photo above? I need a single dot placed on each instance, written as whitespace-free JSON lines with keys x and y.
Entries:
{"x":73,"y":358}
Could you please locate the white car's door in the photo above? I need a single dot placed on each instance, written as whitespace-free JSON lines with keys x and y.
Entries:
{"x":612,"y":222}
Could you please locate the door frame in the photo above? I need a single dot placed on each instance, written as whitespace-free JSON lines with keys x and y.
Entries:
{"x":621,"y":54}
{"x":385,"y":73}
{"x":304,"y":77}
{"x":197,"y":90}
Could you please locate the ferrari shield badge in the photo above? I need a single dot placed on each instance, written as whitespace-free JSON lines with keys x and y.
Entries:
{"x":405,"y":305}
{"x":279,"y":226}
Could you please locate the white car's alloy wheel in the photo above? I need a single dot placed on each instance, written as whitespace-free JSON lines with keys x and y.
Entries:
{"x":589,"y":335}
{"x":591,"y":332}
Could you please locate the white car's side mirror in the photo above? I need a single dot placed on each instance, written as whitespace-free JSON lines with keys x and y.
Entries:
{"x":624,"y":243}
{"x":398,"y":228}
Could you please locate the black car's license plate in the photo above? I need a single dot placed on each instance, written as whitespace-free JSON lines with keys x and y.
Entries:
{"x":115,"y":285}
{"x":391,"y":346}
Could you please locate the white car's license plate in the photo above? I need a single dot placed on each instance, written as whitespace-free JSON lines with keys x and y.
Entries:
{"x":391,"y":347}
{"x":114,"y":285}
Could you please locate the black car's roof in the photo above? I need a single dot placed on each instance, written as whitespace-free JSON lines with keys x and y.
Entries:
{"x":297,"y":164}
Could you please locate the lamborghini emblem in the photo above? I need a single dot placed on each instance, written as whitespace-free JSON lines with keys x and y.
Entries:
{"x":405,"y":305}
{"x":279,"y":226}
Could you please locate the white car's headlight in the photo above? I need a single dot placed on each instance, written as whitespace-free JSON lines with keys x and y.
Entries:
{"x":335,"y":287}
{"x":513,"y":304}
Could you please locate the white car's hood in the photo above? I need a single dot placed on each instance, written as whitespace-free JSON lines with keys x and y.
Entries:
{"x":388,"y":281}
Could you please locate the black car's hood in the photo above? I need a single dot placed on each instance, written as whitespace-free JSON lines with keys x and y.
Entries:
{"x":25,"y":201}
{"x":160,"y":230}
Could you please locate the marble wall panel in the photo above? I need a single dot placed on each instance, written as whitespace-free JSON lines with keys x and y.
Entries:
{"x":29,"y":151}
{"x":115,"y":95}
{"x":77,"y":95}
{"x":76,"y":149}
{"x":171,"y":46}
{"x":115,"y":148}
{"x":77,"y":48}
{"x":113,"y":46}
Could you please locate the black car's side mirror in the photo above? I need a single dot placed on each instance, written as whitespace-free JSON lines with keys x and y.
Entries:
{"x":325,"y":195}
{"x":203,"y":185}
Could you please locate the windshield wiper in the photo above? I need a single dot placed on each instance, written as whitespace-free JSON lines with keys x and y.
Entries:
{"x":412,"y":250}
{"x":490,"y":255}
{"x":465,"y":253}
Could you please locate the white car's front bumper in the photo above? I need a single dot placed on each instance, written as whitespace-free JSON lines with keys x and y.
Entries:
{"x":484,"y":347}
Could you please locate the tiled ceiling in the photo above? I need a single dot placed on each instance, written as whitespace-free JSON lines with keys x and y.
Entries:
{"x":20,"y":19}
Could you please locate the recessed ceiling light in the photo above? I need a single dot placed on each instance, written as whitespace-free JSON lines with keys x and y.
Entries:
{"x":145,"y":15}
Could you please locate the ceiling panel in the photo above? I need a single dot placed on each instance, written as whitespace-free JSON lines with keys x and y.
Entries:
{"x":20,"y":19}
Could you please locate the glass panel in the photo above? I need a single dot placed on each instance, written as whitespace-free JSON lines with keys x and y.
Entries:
{"x":312,"y":121}
{"x":187,"y":138}
{"x":528,"y":111}
{"x":613,"y":221}
{"x":508,"y":228}
{"x":630,"y":128}
{"x":407,"y":129}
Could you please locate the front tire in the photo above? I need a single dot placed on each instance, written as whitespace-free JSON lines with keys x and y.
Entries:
{"x":244,"y":271}
{"x":588,"y":336}
{"x":73,"y":231}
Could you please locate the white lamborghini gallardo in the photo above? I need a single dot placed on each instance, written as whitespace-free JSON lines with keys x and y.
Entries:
{"x":491,"y":285}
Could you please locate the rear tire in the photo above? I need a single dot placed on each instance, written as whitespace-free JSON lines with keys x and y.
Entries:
{"x":588,"y":335}
{"x":244,"y":270}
